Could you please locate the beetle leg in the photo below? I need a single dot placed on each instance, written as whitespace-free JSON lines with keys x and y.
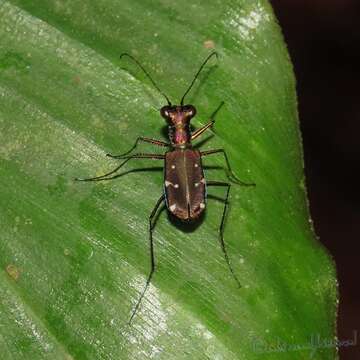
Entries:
{"x":152,"y":257}
{"x":199,"y":131}
{"x":222,"y":224}
{"x":134,"y":156}
{"x":231,"y":175}
{"x":144,"y":139}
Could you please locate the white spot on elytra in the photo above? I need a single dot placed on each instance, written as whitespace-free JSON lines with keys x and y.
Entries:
{"x":168,"y":183}
{"x":197,"y":184}
{"x":172,"y":207}
{"x":196,"y":165}
{"x":173,"y":166}
{"x":202,"y":205}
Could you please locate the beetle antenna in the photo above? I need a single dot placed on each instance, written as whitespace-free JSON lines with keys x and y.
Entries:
{"x":147,"y":74}
{"x":197,"y":74}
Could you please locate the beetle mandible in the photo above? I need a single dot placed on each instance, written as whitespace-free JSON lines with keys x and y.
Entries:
{"x":184,"y":182}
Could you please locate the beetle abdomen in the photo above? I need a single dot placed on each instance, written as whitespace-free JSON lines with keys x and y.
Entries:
{"x":184,"y":183}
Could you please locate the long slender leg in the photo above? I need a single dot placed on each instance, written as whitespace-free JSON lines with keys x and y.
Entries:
{"x":222,"y":224}
{"x":232,"y":177}
{"x":144,"y":139}
{"x":134,"y":156}
{"x":198,"y":132}
{"x":152,"y":257}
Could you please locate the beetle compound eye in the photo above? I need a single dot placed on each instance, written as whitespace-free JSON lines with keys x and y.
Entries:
{"x":165,"y":112}
{"x":192,"y":111}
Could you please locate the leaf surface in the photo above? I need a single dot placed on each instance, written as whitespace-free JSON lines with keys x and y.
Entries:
{"x":75,"y":256}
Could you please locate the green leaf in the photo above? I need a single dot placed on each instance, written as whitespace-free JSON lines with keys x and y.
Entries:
{"x":75,"y":256}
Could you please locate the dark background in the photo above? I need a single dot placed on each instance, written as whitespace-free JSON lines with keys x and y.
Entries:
{"x":323,"y":38}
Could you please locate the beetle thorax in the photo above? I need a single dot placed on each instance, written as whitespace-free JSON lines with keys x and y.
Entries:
{"x":179,"y":134}
{"x":178,"y":118}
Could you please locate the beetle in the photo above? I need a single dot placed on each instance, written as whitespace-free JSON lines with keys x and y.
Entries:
{"x":185,"y":187}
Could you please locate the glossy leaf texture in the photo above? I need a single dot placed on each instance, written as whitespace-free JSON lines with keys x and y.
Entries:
{"x":75,"y":256}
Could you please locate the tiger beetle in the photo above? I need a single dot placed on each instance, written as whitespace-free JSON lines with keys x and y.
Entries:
{"x":185,"y":190}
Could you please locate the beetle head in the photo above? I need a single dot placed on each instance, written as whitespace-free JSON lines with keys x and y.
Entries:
{"x":178,"y":114}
